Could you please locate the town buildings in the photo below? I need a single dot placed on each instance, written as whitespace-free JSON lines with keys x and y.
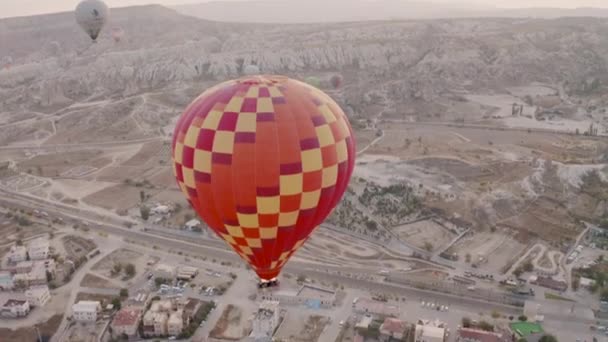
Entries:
{"x":126,"y":321}
{"x":38,"y":296}
{"x":86,"y":311}
{"x":13,"y":308}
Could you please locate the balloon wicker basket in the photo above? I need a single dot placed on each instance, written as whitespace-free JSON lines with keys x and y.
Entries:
{"x":262,"y":284}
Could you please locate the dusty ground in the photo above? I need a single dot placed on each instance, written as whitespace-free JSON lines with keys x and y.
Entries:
{"x":123,"y":257}
{"x":497,"y":248}
{"x":301,"y":327}
{"x":10,"y":231}
{"x":232,"y":324}
{"x":93,"y":281}
{"x":47,"y":329}
{"x":60,"y":163}
{"x":76,"y":247}
{"x":424,"y":234}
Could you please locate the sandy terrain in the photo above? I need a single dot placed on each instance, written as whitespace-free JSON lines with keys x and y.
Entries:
{"x":499,"y":249}
{"x":424,"y":234}
{"x":301,"y":327}
{"x":232,"y":325}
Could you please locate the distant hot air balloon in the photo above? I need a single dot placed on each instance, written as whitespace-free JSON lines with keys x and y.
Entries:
{"x":336,"y":81}
{"x":7,"y":62}
{"x":263,"y":160}
{"x":313,"y":81}
{"x":117,"y":34}
{"x":92,"y":15}
{"x":251,"y":69}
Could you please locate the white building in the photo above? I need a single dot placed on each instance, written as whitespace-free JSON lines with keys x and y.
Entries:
{"x":265,"y":320}
{"x":17,"y":254}
{"x":6,"y":281}
{"x":429,"y":333}
{"x":160,"y":210}
{"x":38,"y":249}
{"x":164,"y":271}
{"x":186,"y":272}
{"x":175,"y":324}
{"x":192,"y":224}
{"x":34,"y":272}
{"x":86,"y":311}
{"x":38,"y":296}
{"x":586,"y":282}
{"x":155,"y":323}
{"x":15,"y":308}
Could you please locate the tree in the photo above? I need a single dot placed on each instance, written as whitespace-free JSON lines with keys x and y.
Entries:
{"x":49,"y":276}
{"x":522,"y":318}
{"x":142,"y":196}
{"x":117,"y":268}
{"x":466,"y":322}
{"x":483,"y":325}
{"x":145,"y":212}
{"x":116,"y":302}
{"x":576,"y":282}
{"x":19,"y":242}
{"x":467,"y":258}
{"x":528,"y":267}
{"x":428,"y":246}
{"x":301,"y":278}
{"x":548,"y":338}
{"x":130,"y":270}
{"x":124,"y":293}
{"x":495,"y":314}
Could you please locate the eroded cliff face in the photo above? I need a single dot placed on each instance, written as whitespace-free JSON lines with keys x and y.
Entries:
{"x":415,"y":60}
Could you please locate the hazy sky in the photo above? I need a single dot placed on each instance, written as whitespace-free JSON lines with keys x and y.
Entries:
{"x":11,"y":8}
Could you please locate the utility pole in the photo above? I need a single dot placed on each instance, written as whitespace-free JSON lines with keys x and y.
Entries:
{"x":38,"y":332}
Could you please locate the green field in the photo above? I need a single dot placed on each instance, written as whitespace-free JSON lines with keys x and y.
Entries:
{"x":524,"y":329}
{"x":556,"y":297}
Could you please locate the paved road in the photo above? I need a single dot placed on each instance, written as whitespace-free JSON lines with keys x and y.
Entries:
{"x":75,"y":286}
{"x":217,"y":249}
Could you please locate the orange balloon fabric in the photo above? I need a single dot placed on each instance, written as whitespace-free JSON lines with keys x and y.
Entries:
{"x":263,"y":160}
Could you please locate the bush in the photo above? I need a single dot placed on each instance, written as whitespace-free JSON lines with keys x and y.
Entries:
{"x":130,"y":270}
{"x":483,"y":325}
{"x":466,"y":322}
{"x":522,"y":318}
{"x":124,"y":293}
{"x":548,"y":338}
{"x":116,"y":302}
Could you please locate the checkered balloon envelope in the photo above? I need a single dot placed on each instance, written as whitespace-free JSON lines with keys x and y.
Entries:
{"x":263,"y":160}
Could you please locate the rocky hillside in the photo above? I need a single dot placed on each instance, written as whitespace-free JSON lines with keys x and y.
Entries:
{"x":410,"y":62}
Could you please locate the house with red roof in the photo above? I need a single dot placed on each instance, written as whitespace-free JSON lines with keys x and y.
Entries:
{"x":392,"y":328}
{"x":126,"y":321}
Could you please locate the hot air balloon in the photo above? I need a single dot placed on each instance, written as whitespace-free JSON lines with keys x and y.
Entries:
{"x":92,"y":15}
{"x":263,"y":160}
{"x":336,"y":81}
{"x":117,"y":34}
{"x":251,"y":69}
{"x":313,"y":81}
{"x":7,"y":62}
